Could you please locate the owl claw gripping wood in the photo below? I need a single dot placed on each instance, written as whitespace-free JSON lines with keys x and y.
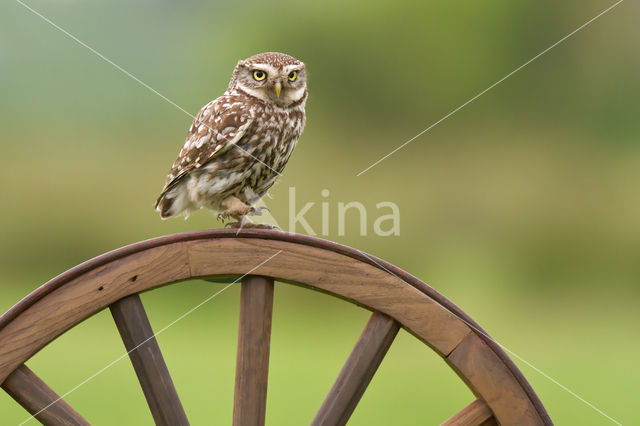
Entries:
{"x":239,"y":144}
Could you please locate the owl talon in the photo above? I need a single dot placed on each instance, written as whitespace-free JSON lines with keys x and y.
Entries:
{"x":269,"y":226}
{"x":260,"y":226}
{"x":257,"y":211}
{"x":225,"y":214}
{"x":251,"y":225}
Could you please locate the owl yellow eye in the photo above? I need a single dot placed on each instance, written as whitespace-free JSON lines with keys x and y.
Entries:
{"x":259,"y":75}
{"x":293,"y":75}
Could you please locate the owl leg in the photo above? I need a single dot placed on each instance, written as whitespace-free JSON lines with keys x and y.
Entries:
{"x":240,"y":211}
{"x":234,"y":208}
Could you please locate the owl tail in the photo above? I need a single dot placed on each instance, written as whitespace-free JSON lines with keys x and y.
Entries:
{"x":173,"y":202}
{"x":164,"y":205}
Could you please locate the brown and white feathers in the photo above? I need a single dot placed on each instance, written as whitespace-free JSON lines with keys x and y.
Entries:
{"x":240,"y":142}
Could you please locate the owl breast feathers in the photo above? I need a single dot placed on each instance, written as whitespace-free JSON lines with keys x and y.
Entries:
{"x":239,"y":143}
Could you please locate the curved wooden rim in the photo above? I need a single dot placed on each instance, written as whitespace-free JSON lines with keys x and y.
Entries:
{"x":478,"y":333}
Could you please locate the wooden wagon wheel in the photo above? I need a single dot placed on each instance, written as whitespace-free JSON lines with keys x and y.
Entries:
{"x":396,"y":298}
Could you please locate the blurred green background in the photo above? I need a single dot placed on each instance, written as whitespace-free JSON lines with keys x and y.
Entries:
{"x":522,"y":208}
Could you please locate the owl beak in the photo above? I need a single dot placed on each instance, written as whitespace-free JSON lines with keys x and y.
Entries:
{"x":278,"y":88}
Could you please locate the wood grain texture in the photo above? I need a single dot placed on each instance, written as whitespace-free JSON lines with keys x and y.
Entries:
{"x":148,"y":362}
{"x":254,"y":337}
{"x":338,"y":274}
{"x":357,"y":372}
{"x":34,"y":395}
{"x":475,"y":414}
{"x":173,"y":260}
{"x":85,"y":295}
{"x":492,"y":382}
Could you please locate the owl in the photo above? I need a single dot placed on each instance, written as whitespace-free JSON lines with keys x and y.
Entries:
{"x":239,"y":143}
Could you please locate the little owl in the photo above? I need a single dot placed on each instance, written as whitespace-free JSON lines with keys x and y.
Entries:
{"x":239,"y":143}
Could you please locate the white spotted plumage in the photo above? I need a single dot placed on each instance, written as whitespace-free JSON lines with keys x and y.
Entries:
{"x":239,"y":143}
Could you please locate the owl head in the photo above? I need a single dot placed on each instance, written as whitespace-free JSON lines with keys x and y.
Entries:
{"x":273,"y":77}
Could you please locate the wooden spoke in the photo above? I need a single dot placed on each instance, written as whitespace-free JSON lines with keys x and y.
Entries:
{"x":340,"y":271}
{"x":357,"y":372}
{"x":147,"y":360}
{"x":475,"y":414}
{"x":252,"y":367}
{"x":34,"y":395}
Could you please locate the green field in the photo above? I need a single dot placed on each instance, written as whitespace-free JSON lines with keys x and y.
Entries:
{"x":312,"y":336}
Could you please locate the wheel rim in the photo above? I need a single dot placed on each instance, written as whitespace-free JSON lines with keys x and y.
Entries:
{"x":396,"y":298}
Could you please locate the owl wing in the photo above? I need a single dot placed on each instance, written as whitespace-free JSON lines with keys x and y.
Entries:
{"x":217,"y":128}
